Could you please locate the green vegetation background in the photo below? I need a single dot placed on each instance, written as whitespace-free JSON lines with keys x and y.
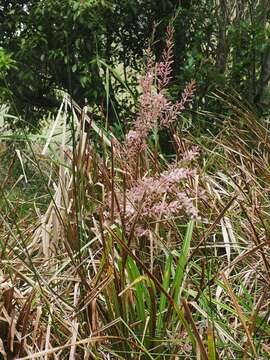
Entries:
{"x":47,"y":46}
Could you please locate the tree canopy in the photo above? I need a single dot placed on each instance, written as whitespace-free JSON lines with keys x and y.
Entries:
{"x":52,"y":45}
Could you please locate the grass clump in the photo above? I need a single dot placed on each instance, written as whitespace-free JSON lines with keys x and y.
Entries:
{"x":137,"y":255}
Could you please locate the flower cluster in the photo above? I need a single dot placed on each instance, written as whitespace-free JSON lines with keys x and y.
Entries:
{"x":155,"y":110}
{"x":151,"y":106}
{"x":164,"y":67}
{"x":150,"y":199}
{"x":190,"y":154}
{"x":162,"y":196}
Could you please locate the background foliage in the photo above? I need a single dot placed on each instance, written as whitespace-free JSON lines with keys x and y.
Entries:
{"x":59,"y":44}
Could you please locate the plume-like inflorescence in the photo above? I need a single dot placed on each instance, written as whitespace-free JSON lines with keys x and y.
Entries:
{"x":190,"y":154}
{"x":155,"y":110}
{"x":164,"y":67}
{"x":173,"y":111}
{"x":149,"y":199}
{"x":161,"y":196}
{"x":151,"y":106}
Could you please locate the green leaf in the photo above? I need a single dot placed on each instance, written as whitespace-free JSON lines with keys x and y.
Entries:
{"x":180,"y":270}
{"x":163,"y":300}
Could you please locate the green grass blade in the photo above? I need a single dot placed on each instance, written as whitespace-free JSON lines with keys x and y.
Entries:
{"x":211,"y":343}
{"x":163,"y":300}
{"x":140,"y":291}
{"x":180,"y":270}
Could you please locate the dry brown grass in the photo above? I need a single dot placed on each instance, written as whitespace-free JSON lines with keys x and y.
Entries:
{"x":74,"y":286}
